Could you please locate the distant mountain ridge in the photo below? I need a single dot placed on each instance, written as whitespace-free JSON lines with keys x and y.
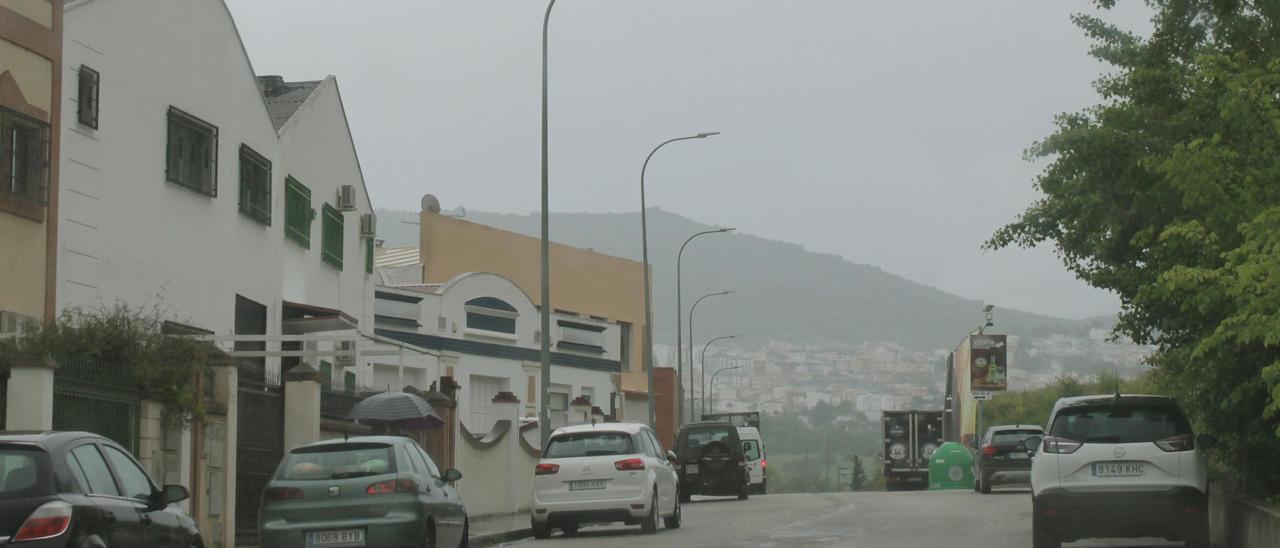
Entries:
{"x":783,"y":291}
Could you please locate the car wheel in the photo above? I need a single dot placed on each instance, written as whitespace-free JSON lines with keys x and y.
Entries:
{"x":429,"y":539}
{"x":977,"y":484}
{"x":673,"y":521}
{"x":764,"y":487}
{"x":685,"y":497}
{"x":1041,"y":535}
{"x":986,"y":487}
{"x":650,"y":525}
{"x":466,"y":534}
{"x":540,"y":530}
{"x":570,"y":529}
{"x":742,"y":492}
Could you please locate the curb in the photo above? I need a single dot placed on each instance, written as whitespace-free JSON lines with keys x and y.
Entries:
{"x":500,"y":537}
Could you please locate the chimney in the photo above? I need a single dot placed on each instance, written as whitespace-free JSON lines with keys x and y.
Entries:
{"x":271,"y":84}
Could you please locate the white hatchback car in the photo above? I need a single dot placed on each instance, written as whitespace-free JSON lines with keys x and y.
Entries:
{"x":601,"y":473}
{"x":1119,"y":466}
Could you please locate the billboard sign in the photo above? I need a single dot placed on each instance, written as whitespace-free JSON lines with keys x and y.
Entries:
{"x":988,"y":363}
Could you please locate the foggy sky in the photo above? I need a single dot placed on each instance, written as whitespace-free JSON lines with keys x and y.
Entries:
{"x":890,"y":133}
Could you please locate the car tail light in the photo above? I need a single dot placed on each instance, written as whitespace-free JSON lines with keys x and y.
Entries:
{"x":49,"y":520}
{"x":546,"y":469}
{"x":1062,"y":446}
{"x":391,"y":486}
{"x":282,"y":493}
{"x":988,"y":450}
{"x":764,"y":463}
{"x":1177,"y":443}
{"x":629,"y":464}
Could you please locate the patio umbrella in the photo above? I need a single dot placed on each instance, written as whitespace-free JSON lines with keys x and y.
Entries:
{"x":396,"y":407}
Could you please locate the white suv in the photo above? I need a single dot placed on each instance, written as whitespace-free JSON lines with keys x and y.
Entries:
{"x":1119,"y":466}
{"x":599,"y":473}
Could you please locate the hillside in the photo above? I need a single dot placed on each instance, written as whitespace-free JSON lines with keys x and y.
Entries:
{"x":784,"y":292}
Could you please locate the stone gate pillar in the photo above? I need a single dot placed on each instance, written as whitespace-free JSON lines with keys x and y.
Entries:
{"x":29,"y":403}
{"x":301,"y":406}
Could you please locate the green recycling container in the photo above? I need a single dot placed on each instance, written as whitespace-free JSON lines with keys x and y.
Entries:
{"x":951,"y":467}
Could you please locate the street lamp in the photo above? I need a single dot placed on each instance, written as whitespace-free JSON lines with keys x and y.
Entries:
{"x":544,"y":410}
{"x":704,"y":368}
{"x":644,"y":250}
{"x":680,"y":327}
{"x":704,"y":376}
{"x":712,"y":390}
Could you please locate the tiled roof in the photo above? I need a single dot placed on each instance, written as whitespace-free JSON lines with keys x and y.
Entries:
{"x":284,"y":98}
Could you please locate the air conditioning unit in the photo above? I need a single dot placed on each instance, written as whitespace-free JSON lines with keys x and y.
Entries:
{"x":368,"y":225}
{"x":346,"y":198}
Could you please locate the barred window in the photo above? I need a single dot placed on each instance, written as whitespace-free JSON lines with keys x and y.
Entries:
{"x":255,"y":185}
{"x":331,"y":232}
{"x":297,"y":212}
{"x":87,"y":98}
{"x":24,"y":156}
{"x":491,"y":314}
{"x":192,"y":156}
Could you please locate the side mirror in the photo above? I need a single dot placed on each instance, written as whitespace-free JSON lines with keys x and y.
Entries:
{"x":1032,"y":443}
{"x":671,"y":456}
{"x":451,"y":475}
{"x":1206,"y":441}
{"x":169,"y":495}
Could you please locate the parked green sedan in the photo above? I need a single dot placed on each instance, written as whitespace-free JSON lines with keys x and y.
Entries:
{"x":378,"y":491}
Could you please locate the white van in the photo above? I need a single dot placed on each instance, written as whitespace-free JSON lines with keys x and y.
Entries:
{"x":757,"y":460}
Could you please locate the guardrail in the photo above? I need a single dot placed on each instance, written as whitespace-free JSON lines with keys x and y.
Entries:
{"x":1241,"y":522}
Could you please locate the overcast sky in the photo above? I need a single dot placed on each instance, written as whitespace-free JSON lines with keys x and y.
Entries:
{"x":890,"y":133}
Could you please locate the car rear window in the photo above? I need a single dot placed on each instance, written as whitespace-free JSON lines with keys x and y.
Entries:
{"x":24,"y":473}
{"x":337,"y":461}
{"x":1119,"y":424}
{"x":1013,"y":437}
{"x":752,"y":449}
{"x":700,"y":437}
{"x":590,"y":444}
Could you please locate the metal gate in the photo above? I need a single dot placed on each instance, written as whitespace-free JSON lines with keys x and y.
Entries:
{"x":259,"y":445}
{"x":96,"y":397}
{"x":4,"y":395}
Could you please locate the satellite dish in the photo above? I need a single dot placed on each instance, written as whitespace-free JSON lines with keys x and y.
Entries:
{"x":430,"y":204}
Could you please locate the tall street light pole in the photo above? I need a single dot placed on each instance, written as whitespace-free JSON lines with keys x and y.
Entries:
{"x":712,"y":390}
{"x":544,"y":410}
{"x":704,"y":369}
{"x":828,"y":468}
{"x":644,"y":245}
{"x":680,"y":327}
{"x":692,"y":407}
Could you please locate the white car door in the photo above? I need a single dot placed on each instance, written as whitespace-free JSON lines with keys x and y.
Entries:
{"x":665,"y":475}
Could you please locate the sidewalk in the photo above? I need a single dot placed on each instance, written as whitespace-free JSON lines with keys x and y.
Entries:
{"x":499,"y":528}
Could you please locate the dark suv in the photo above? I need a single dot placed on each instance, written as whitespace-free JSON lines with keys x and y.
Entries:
{"x":78,"y":489}
{"x":1002,"y":458}
{"x":712,"y":461}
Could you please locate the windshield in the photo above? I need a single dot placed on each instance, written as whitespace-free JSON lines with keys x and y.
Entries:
{"x":590,"y":444}
{"x":23,"y":472}
{"x":1013,"y":437}
{"x":1119,"y":424}
{"x":337,"y":461}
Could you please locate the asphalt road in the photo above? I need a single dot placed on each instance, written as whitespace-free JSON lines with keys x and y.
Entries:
{"x":947,"y":519}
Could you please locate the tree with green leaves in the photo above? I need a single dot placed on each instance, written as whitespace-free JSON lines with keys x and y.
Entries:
{"x":1167,"y":193}
{"x":858,"y":479}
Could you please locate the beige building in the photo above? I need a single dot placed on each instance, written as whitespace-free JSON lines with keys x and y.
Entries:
{"x":30,"y":80}
{"x":583,"y":282}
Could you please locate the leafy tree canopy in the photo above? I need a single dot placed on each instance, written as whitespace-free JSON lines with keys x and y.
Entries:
{"x":1168,"y":194}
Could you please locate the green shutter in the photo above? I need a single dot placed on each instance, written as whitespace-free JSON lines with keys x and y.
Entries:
{"x":297,"y":212}
{"x":368,"y":255}
{"x":331,"y":233}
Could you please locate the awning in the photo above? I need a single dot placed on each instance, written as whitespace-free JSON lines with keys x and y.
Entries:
{"x":300,"y":319}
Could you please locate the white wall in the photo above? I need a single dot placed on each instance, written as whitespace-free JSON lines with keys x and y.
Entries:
{"x":129,"y":235}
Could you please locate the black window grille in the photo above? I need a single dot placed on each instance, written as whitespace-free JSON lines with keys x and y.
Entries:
{"x":255,"y":185}
{"x":87,"y":98}
{"x":191,"y":158}
{"x":24,"y":156}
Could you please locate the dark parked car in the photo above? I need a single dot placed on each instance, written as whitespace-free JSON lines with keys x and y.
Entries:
{"x":375,"y":491}
{"x":712,"y":461}
{"x":1002,"y":459}
{"x":75,"y":489}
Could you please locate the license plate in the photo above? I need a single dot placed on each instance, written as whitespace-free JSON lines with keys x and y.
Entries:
{"x":691,"y":469}
{"x":342,"y":537}
{"x":1016,"y":456}
{"x":586,"y":485}
{"x":1118,"y":469}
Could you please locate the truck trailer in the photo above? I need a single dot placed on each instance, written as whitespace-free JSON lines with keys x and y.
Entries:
{"x":910,"y":438}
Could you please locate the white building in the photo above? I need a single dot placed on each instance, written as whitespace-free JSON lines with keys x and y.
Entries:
{"x":234,"y":204}
{"x":485,"y":330}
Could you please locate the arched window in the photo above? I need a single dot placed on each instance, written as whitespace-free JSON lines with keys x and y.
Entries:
{"x":491,"y":314}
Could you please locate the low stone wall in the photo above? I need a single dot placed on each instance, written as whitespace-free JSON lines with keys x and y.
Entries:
{"x":1239,"y":522}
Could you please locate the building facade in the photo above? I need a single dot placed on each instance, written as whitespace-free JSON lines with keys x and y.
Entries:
{"x":230,"y":203}
{"x":31,"y":70}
